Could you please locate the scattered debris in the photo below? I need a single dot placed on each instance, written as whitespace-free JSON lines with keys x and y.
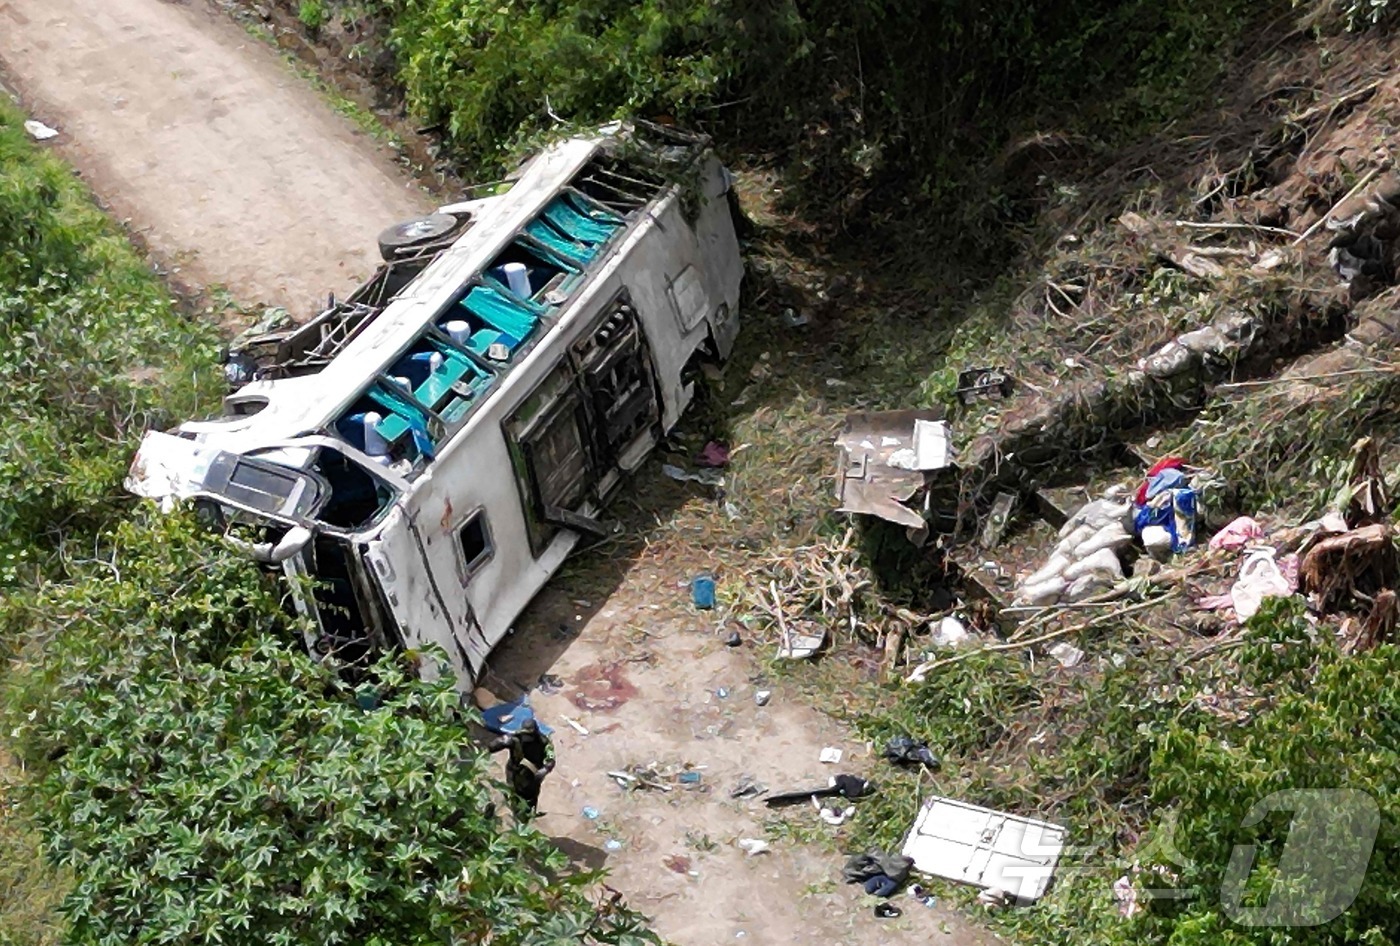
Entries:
{"x":761,"y":697}
{"x":658,"y":777}
{"x":1165,"y":509}
{"x":801,"y":646}
{"x":733,"y":640}
{"x":887,"y":911}
{"x":1085,"y":560}
{"x":986,"y":848}
{"x":590,"y":812}
{"x":921,"y":894}
{"x":1379,"y":625}
{"x":880,"y":874}
{"x":831,"y":755}
{"x":39,"y":131}
{"x":994,"y":527}
{"x":834,"y":816}
{"x":1260,"y":578}
{"x":1237,"y":535}
{"x":748,"y":787}
{"x":714,"y":455}
{"x":702,"y":591}
{"x":994,"y":898}
{"x":847,"y":786}
{"x":753,"y":846}
{"x":886,"y":460}
{"x":1358,"y":563}
{"x":904,"y":750}
{"x":550,"y":683}
{"x":1125,"y":894}
{"x":612,"y":844}
{"x":1067,"y":654}
{"x":706,"y":477}
{"x":794,"y":319}
{"x":975,"y":384}
{"x":508,"y":717}
{"x":794,"y":646}
{"x":578,"y":727}
{"x":950,"y":632}
{"x":677,"y":863}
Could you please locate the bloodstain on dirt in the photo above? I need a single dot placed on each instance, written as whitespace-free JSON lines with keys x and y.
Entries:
{"x":601,"y":686}
{"x":678,"y":863}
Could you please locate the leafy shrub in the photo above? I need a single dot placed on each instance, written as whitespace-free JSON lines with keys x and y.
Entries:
{"x":312,"y":14}
{"x":206,"y":782}
{"x":866,"y":90}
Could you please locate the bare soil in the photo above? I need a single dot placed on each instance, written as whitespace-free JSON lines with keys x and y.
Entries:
{"x":678,"y":861}
{"x":231,"y":170}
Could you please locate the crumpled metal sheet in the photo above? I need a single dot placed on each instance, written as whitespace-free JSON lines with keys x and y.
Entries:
{"x":886,"y":457}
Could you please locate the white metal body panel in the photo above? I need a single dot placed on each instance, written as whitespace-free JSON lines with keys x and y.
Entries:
{"x":986,"y":848}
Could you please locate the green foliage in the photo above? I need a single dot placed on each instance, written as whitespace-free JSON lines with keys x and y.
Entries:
{"x":312,"y":14}
{"x":1149,"y":762}
{"x":91,"y":350}
{"x":211,"y":783}
{"x":864,"y":90}
{"x":1351,"y":15}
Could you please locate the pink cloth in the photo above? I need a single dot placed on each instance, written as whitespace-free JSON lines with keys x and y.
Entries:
{"x":713,"y":455}
{"x":1237,"y":534}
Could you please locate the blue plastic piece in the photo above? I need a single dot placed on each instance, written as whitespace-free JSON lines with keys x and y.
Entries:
{"x":702,"y":592}
{"x":509,"y":717}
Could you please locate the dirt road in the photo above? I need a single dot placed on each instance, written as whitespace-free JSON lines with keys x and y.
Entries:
{"x":231,"y":169}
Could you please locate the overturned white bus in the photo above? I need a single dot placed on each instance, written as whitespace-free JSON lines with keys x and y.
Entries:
{"x":430,"y":449}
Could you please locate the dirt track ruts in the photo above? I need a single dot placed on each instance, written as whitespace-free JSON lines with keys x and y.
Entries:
{"x":231,"y":169}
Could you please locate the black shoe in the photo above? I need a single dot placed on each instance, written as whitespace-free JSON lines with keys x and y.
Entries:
{"x":887,"y":911}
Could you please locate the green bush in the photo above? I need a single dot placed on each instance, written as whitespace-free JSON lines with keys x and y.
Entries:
{"x":206,"y":781}
{"x":868,"y":90}
{"x":312,"y":14}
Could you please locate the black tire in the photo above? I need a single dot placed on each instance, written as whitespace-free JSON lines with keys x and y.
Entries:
{"x":416,"y":232}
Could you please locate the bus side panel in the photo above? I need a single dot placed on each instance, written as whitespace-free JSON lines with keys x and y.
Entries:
{"x":405,"y":575}
{"x":472,"y":495}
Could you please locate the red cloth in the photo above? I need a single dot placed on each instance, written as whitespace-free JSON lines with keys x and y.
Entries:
{"x":1166,"y":463}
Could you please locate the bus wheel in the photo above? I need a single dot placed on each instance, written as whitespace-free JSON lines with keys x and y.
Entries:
{"x":415,"y":232}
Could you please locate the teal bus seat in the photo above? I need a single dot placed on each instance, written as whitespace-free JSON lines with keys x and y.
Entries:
{"x":575,"y":225}
{"x":500,"y":312}
{"x":482,"y":341}
{"x":591,"y":208}
{"x":405,"y":417}
{"x":551,"y":238}
{"x":496,"y":285}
